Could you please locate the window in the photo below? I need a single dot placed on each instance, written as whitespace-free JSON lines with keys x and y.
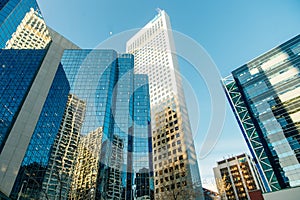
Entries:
{"x":179,"y":149}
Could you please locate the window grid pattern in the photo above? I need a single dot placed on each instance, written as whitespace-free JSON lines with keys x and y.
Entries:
{"x":269,"y":87}
{"x":17,"y":70}
{"x":12,"y":15}
{"x":36,"y":159}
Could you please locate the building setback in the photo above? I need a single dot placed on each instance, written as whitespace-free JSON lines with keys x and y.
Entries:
{"x":265,"y":97}
{"x":173,"y":146}
{"x":237,"y":178}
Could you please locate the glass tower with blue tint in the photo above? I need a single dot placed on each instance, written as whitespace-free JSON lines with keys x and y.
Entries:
{"x":30,"y":178}
{"x":18,"y":69}
{"x":106,"y":82}
{"x":22,"y":25}
{"x":92,"y":75}
{"x":265,"y":97}
{"x":142,"y":171}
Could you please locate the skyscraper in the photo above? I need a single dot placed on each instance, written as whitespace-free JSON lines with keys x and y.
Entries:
{"x":173,"y":146}
{"x":117,"y":102}
{"x":237,"y":177}
{"x":264,"y":95}
{"x":33,"y":72}
{"x":36,"y":159}
{"x":22,"y":25}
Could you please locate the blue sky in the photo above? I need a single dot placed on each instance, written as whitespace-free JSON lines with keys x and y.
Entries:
{"x":232,"y":32}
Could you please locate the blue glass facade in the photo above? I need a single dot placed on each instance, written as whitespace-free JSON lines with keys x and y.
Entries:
{"x":92,"y":76}
{"x":264,"y":94}
{"x":11,"y":15}
{"x":18,"y":69}
{"x":106,"y":82}
{"x":142,"y":140}
{"x":36,"y":159}
{"x":3,"y":3}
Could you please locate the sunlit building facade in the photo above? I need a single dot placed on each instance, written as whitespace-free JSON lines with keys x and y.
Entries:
{"x":84,"y":180}
{"x":237,"y":177}
{"x":154,"y":51}
{"x":32,"y":33}
{"x":22,"y":25}
{"x":265,"y":96}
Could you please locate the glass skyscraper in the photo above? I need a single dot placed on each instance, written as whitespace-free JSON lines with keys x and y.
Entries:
{"x":117,"y":102}
{"x":18,"y":70}
{"x":36,"y":160}
{"x":173,"y":145}
{"x":265,"y":97}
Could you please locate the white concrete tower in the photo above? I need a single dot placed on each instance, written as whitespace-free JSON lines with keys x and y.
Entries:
{"x":174,"y":158}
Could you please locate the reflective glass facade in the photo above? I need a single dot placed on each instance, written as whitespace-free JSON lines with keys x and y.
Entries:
{"x":3,"y":3}
{"x":12,"y":13}
{"x":142,"y":172}
{"x":36,"y":159}
{"x":62,"y":159}
{"x":265,"y":96}
{"x":106,"y":82}
{"x":18,"y":69}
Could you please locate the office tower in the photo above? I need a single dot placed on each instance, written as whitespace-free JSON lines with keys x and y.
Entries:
{"x":264,"y":95}
{"x":173,"y":146}
{"x":117,"y":102}
{"x":32,"y":33}
{"x":142,"y":158}
{"x":22,"y":25}
{"x":237,"y":177}
{"x":18,"y":70}
{"x":59,"y":173}
{"x":84,"y":180}
{"x":36,"y":159}
{"x":30,"y":90}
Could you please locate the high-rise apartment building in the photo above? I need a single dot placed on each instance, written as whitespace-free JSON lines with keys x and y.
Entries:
{"x":173,"y":146}
{"x":237,"y":177}
{"x":22,"y":25}
{"x":265,"y":97}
